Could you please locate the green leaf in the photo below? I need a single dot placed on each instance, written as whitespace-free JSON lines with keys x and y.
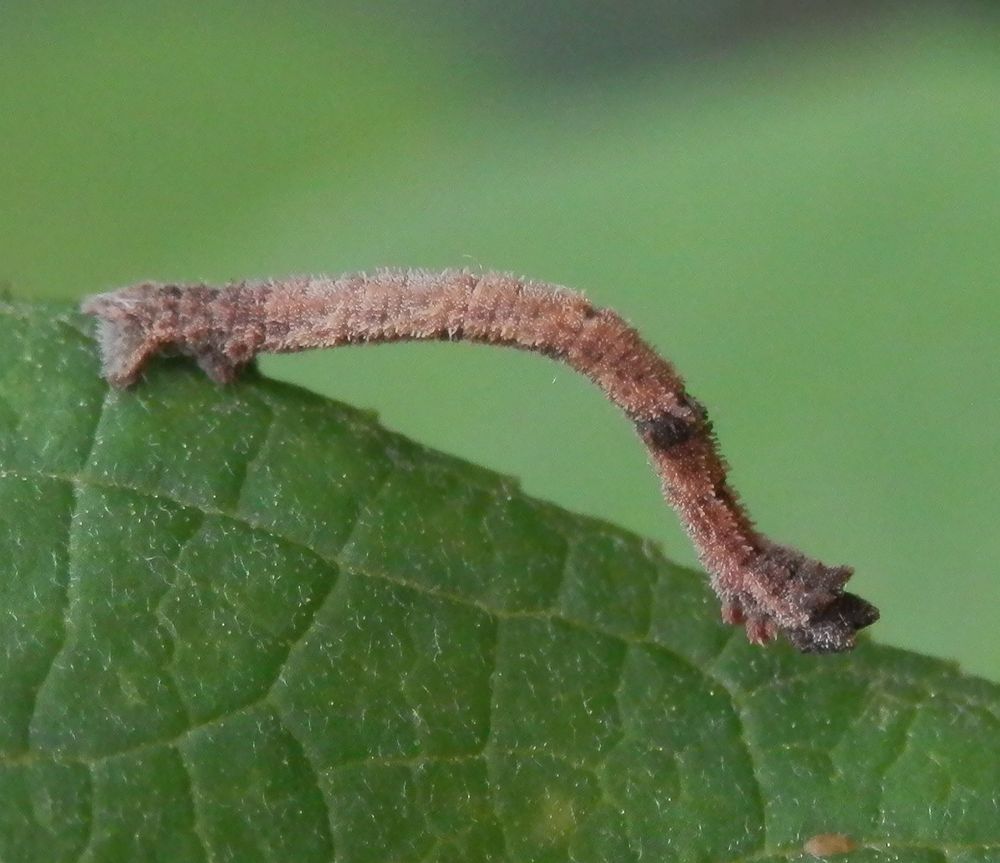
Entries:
{"x":249,"y":624}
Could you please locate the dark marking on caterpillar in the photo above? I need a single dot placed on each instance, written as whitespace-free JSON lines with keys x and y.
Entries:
{"x":666,"y":431}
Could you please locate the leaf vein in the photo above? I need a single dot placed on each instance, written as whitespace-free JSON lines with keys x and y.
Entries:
{"x":197,"y":824}
{"x":315,"y":611}
{"x":70,"y":596}
{"x":314,"y":774}
{"x":89,"y":836}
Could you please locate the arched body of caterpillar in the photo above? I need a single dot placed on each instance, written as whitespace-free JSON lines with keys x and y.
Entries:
{"x":769,"y":587}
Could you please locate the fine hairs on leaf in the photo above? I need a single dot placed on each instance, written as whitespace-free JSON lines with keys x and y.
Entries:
{"x":770,"y":587}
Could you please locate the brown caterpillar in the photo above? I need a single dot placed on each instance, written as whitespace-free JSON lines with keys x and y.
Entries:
{"x":767,"y":586}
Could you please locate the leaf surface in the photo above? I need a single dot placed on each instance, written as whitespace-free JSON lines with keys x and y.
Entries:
{"x":249,"y":624}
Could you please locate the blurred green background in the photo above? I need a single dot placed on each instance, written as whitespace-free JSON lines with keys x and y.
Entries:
{"x":800,"y":209}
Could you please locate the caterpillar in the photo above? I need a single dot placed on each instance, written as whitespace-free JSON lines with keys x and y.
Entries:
{"x":768,"y":587}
